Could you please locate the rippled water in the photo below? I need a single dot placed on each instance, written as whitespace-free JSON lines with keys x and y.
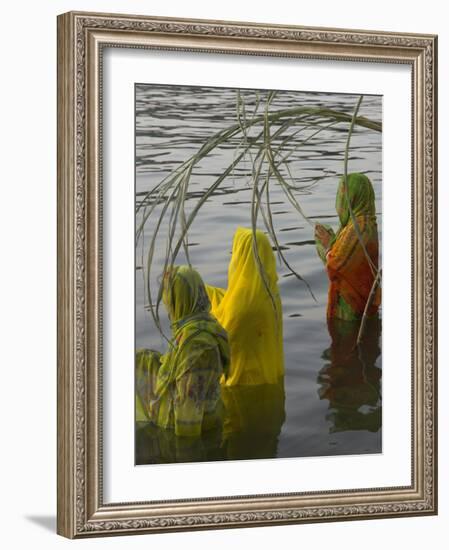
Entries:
{"x":330,"y":403}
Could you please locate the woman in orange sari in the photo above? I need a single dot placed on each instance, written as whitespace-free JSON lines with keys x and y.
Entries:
{"x":351,"y":255}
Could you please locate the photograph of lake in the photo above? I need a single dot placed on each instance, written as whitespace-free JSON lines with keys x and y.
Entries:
{"x":258,"y":256}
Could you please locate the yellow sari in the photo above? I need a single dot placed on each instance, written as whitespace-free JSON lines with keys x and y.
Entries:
{"x":250,"y":314}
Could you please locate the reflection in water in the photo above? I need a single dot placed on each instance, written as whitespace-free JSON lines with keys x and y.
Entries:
{"x":253,"y":420}
{"x":156,"y":445}
{"x":351,"y":381}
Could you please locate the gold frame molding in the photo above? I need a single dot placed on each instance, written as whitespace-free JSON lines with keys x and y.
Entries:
{"x":81,"y":38}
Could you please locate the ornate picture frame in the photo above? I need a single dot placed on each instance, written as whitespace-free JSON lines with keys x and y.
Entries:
{"x":82,"y":38}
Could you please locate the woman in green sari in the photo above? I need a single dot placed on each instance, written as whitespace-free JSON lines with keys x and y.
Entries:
{"x":180,"y":390}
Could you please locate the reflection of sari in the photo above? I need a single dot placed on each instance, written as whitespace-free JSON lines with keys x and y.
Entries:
{"x":181,"y":389}
{"x":253,"y":420}
{"x":156,"y":445}
{"x":350,"y":273}
{"x":351,"y":381}
{"x":251,"y":314}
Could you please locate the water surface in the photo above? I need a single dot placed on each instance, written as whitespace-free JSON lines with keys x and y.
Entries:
{"x":330,"y":402}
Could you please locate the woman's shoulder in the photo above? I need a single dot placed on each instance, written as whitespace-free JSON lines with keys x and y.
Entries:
{"x":202,"y":332}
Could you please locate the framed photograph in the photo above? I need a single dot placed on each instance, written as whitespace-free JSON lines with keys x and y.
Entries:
{"x":247,"y":274}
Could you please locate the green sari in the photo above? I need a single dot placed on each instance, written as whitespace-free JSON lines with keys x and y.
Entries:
{"x":180,"y":390}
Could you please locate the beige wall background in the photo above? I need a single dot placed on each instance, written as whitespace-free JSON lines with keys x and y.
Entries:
{"x":28,"y":271}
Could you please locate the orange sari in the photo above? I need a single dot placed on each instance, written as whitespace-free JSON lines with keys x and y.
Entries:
{"x":353,"y":256}
{"x":350,"y":275}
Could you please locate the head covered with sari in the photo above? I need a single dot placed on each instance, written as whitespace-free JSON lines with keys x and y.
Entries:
{"x":352,"y":260}
{"x":250,"y":310}
{"x":184,"y":295}
{"x":361,"y":197}
{"x":188,"y":306}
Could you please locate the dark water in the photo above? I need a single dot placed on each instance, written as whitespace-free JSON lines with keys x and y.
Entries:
{"x":330,"y":401}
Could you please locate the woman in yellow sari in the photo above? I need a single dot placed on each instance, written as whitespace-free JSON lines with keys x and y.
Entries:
{"x":180,"y":390}
{"x":250,"y":311}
